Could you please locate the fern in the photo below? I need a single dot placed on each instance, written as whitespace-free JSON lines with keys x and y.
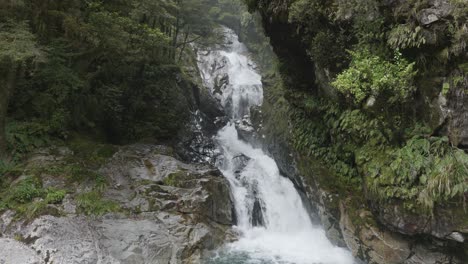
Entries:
{"x":406,"y":36}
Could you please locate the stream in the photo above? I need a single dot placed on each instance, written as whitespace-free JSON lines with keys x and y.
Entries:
{"x":272,"y":221}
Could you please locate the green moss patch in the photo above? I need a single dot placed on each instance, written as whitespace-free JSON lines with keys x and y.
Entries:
{"x":29,"y":199}
{"x":93,"y":203}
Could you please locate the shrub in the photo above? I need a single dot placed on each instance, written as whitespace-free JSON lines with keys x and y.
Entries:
{"x":372,"y":76}
{"x":406,"y":36}
{"x":26,"y":190}
{"x":29,"y":199}
{"x":24,"y":137}
{"x":55,"y":196}
{"x":328,"y":49}
{"x":425,"y":171}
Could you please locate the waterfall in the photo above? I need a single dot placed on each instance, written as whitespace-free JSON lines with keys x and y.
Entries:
{"x":273,"y":224}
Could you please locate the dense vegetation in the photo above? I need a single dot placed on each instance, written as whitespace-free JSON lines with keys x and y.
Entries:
{"x":113,"y":70}
{"x":105,"y":68}
{"x":90,"y":75}
{"x":362,"y":102}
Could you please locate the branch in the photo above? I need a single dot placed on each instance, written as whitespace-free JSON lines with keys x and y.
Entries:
{"x":189,"y":41}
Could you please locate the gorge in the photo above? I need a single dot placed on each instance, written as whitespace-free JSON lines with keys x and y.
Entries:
{"x":233,"y":131}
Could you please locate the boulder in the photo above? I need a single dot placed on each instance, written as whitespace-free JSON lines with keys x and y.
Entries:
{"x":370,"y":243}
{"x":439,"y":9}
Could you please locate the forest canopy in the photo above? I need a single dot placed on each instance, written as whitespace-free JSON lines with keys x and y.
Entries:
{"x":111,"y":69}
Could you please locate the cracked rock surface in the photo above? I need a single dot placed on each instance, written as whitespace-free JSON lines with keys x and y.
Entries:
{"x":170,"y":212}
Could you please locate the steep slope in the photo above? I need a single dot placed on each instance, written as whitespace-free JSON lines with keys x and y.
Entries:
{"x":375,"y":92}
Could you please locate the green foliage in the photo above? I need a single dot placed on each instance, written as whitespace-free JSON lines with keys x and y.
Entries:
{"x":24,"y":137}
{"x":380,"y":138}
{"x":459,"y":27}
{"x":358,"y":9}
{"x":29,"y":198}
{"x":310,"y":13}
{"x":328,"y":49}
{"x":310,"y":135}
{"x":372,"y":76}
{"x":17,"y":43}
{"x":7,"y":167}
{"x":31,"y":210}
{"x":106,"y":68}
{"x":445,"y":88}
{"x":55,"y":196}
{"x":425,"y":170}
{"x":275,"y":105}
{"x":92,"y":203}
{"x":26,"y":190}
{"x":406,"y":36}
{"x":89,"y":152}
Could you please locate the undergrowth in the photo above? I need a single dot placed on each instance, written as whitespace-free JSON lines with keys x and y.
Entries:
{"x":29,"y":199}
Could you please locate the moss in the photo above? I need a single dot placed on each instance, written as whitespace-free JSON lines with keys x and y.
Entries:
{"x":314,"y":171}
{"x":175,"y":179}
{"x":89,"y":152}
{"x":36,"y":209}
{"x":357,"y":212}
{"x":92,"y":203}
{"x":464,"y":67}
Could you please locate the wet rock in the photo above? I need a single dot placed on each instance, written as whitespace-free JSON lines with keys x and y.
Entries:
{"x":218,"y":205}
{"x":370,"y":243}
{"x":457,"y":236}
{"x":441,"y":224}
{"x":240,"y":162}
{"x":257,"y":214}
{"x":457,"y":113}
{"x":330,"y":217}
{"x":246,"y":131}
{"x":423,"y":255}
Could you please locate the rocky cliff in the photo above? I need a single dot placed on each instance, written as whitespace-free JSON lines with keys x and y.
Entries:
{"x":140,"y":205}
{"x":349,"y":145}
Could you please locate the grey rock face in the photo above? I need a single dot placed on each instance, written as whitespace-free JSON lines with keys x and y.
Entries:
{"x":154,"y":238}
{"x":457,"y":107}
{"x":376,"y":244}
{"x":439,"y":10}
{"x":171,"y":213}
{"x":371,"y":243}
{"x":13,"y":251}
{"x":441,"y":224}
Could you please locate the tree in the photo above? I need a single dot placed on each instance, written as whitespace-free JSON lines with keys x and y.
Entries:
{"x":18,"y":47}
{"x":192,"y":22}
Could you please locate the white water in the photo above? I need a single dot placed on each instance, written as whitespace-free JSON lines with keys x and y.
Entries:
{"x":287,"y":235}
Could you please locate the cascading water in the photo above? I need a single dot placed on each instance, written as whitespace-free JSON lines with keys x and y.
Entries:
{"x":273,"y":224}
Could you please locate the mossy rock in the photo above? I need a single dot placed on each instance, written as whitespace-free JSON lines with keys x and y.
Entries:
{"x":89,"y":151}
{"x":180,"y":179}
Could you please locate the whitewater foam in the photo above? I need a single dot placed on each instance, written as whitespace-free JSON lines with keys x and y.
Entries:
{"x":287,"y":234}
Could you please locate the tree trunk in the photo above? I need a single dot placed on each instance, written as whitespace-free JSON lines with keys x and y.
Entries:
{"x":176,"y":33}
{"x":174,"y":38}
{"x":7,"y":83}
{"x":3,"y":110}
{"x":183,"y":46}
